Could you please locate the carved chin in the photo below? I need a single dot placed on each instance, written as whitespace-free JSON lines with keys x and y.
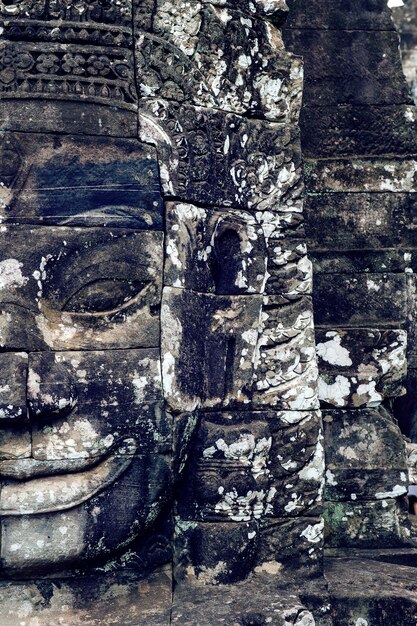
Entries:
{"x":53,"y":522}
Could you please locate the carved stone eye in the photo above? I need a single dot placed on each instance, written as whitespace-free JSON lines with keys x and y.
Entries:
{"x":104,"y":295}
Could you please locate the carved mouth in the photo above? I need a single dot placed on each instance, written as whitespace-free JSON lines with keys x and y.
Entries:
{"x":57,"y":492}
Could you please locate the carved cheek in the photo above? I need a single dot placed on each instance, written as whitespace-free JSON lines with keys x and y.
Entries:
{"x":106,"y":398}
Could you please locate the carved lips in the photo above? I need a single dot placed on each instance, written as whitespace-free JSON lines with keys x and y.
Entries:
{"x":47,"y":494}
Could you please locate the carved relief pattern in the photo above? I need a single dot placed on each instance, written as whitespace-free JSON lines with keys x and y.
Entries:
{"x":88,"y":74}
{"x":116,"y":12}
{"x":183,"y":54}
{"x":95,"y":64}
{"x":256,"y":470}
{"x":164,"y":310}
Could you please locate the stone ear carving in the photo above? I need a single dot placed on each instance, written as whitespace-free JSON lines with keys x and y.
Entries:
{"x":238,"y":256}
{"x":13,"y":381}
{"x":215,"y":260}
{"x":220,"y":251}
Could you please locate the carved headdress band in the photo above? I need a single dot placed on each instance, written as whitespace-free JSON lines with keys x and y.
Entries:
{"x":68,"y":50}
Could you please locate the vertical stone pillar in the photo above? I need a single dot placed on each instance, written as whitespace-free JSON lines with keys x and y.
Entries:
{"x":358,"y":132}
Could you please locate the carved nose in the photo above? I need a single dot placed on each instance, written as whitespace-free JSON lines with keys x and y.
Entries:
{"x":13,"y":376}
{"x":50,"y":390}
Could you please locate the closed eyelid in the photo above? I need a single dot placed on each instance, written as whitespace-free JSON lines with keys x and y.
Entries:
{"x":123,"y":306}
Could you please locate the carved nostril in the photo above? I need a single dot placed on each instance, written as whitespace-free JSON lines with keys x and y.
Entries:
{"x":50,"y":391}
{"x":13,"y":375}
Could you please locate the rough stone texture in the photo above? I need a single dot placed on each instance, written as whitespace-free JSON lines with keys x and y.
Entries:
{"x":361,"y":367}
{"x":116,"y":600}
{"x":358,"y":133}
{"x":404,"y":18}
{"x":162,"y":423}
{"x":235,"y":605}
{"x":250,"y":463}
{"x":364,"y":591}
{"x":178,"y":52}
{"x":162,"y":452}
{"x":214,"y":338}
{"x":229,"y":160}
{"x":79,"y":181}
{"x":354,"y":15}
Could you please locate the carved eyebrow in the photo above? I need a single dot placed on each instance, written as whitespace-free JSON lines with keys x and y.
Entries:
{"x":67,"y":189}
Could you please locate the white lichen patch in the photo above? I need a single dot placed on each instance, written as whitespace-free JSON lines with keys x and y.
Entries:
{"x":372,"y":285}
{"x":173,"y":254}
{"x":209,"y":575}
{"x":6,"y":194}
{"x":33,"y":383}
{"x":57,"y":334}
{"x":366,"y":394}
{"x":250,"y":336}
{"x":11,"y":276}
{"x":314,"y":470}
{"x":272,"y":568}
{"x":243,"y":508}
{"x":333,"y":352}
{"x":182,"y":21}
{"x":395,"y":492}
{"x":330,"y":479}
{"x":168,"y":372}
{"x":336,"y":393}
{"x":246,"y":450}
{"x":139,"y":384}
{"x":313,"y":532}
{"x":78,"y":438}
{"x":392,"y":359}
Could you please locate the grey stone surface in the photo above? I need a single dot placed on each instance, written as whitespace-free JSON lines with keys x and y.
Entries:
{"x":363,"y":590}
{"x":156,"y":413}
{"x":163,"y":458}
{"x":358,"y":136}
{"x":404,"y":18}
{"x":79,"y":181}
{"x":361,"y":367}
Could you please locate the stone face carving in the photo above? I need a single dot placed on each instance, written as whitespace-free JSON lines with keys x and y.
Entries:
{"x":80,"y":313}
{"x":158,"y":368}
{"x":161,"y":437}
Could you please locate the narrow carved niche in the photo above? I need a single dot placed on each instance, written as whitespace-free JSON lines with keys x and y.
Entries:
{"x":226,"y":261}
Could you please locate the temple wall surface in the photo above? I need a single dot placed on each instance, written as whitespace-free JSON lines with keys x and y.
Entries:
{"x":190,"y":110}
{"x":207,"y":314}
{"x":358,"y":138}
